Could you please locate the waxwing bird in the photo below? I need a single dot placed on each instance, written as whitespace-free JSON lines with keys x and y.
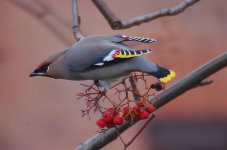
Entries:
{"x":102,"y":59}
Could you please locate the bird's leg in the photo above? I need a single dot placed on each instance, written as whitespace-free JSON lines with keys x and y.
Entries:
{"x":96,"y":82}
{"x":101,"y":84}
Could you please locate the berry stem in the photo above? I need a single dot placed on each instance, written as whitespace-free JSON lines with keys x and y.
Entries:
{"x":119,"y":135}
{"x":138,"y":133}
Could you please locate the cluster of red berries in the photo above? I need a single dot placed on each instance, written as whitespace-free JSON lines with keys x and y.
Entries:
{"x":111,"y":116}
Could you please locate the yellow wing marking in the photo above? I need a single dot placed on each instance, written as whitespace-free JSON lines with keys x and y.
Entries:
{"x":130,"y":54}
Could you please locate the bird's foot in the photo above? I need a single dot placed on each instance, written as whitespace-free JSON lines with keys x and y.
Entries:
{"x":101,"y":84}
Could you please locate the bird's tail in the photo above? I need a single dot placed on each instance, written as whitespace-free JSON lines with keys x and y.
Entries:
{"x":164,"y":75}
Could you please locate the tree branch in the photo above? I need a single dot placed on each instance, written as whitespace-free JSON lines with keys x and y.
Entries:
{"x":76,"y":22}
{"x":117,"y":24}
{"x":134,"y":87}
{"x":188,"y":82}
{"x":111,"y":18}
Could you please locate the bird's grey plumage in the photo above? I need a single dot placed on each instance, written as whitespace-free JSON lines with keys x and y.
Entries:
{"x":82,"y":55}
{"x":84,"y":60}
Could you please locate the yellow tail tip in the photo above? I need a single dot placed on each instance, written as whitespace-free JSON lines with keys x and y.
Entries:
{"x":168,"y":78}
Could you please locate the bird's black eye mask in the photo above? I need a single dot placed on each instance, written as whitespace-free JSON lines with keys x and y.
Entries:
{"x":42,"y":69}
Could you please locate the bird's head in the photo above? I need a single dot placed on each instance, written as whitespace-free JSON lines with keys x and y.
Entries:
{"x":41,"y":70}
{"x":47,"y":67}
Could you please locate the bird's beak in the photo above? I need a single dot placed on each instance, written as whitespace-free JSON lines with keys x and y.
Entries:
{"x":35,"y":73}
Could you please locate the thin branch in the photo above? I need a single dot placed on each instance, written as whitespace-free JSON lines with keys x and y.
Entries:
{"x":102,"y":139}
{"x":117,"y":24}
{"x":76,"y":21}
{"x":134,"y":88}
{"x":205,"y":83}
{"x":159,"y":100}
{"x":138,"y":133}
{"x":111,"y":18}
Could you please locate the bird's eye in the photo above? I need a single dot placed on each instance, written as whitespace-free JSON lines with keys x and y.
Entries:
{"x":42,"y":69}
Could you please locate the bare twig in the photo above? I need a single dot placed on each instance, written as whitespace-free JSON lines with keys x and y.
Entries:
{"x":134,"y":88}
{"x":204,"y":83}
{"x":117,"y":24}
{"x":111,"y":18}
{"x":103,"y":139}
{"x":159,"y":100}
{"x":76,"y":21}
{"x":138,"y":133}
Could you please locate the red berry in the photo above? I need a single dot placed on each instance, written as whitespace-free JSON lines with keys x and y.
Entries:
{"x":143,"y":115}
{"x":127,"y":117}
{"x":101,"y":123}
{"x":150,"y":108}
{"x":142,"y":101}
{"x":108,"y":117}
{"x":112,"y":111}
{"x":136,"y":110}
{"x":118,"y":120}
{"x":109,"y":125}
{"x":158,"y":86}
{"x":115,"y":112}
{"x":126,"y":110}
{"x":109,"y":110}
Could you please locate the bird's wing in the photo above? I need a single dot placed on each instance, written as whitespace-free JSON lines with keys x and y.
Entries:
{"x":93,"y":52}
{"x":84,"y":54}
{"x":123,"y":38}
{"x":118,"y":55}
